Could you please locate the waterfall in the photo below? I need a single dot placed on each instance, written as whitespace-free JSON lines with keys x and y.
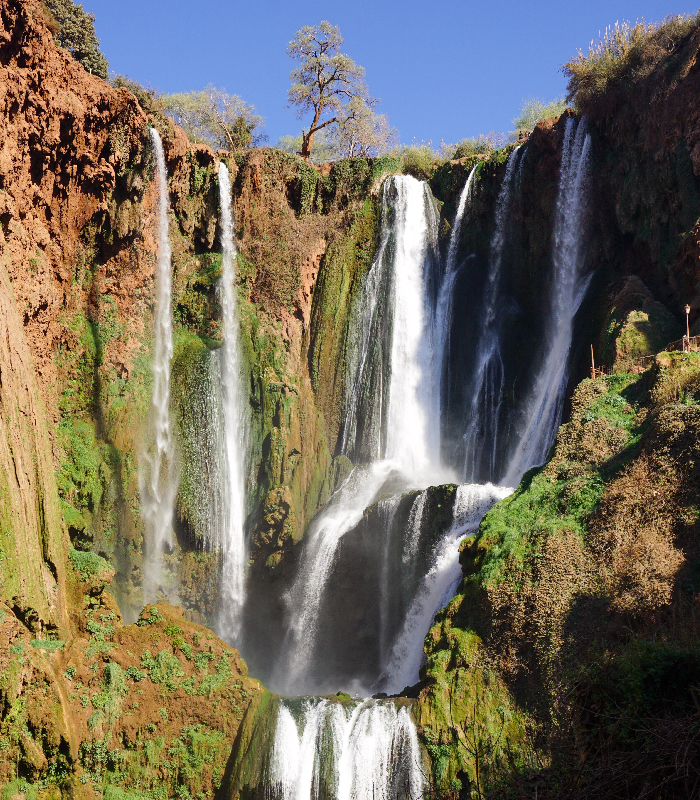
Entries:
{"x":391,"y":410}
{"x":344,"y":751}
{"x":445,"y":301}
{"x":543,"y":408}
{"x":393,"y":389}
{"x":233,"y":549}
{"x":439,"y":585}
{"x":464,"y":198}
{"x":158,"y":470}
{"x":342,"y":513}
{"x":397,"y":358}
{"x":482,"y":423}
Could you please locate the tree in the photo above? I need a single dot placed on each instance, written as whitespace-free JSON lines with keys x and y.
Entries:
{"x":326,"y":83}
{"x":223,"y":121}
{"x":74,"y":31}
{"x":362,"y":132}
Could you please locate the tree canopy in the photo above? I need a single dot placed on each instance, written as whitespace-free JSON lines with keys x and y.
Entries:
{"x":74,"y":31}
{"x":212,"y":116}
{"x":330,"y":86}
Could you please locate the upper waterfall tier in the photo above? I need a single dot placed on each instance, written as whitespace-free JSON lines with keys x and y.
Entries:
{"x":392,"y":404}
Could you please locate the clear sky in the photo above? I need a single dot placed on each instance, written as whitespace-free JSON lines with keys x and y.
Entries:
{"x":443,"y":69}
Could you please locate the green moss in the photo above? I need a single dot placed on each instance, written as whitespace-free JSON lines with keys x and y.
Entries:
{"x":47,"y":644}
{"x":343,"y":267}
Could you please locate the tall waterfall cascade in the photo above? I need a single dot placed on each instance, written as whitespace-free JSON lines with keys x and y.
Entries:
{"x":382,"y":515}
{"x":231,"y":532}
{"x":158,"y":470}
{"x":543,"y":409}
{"x":394,"y":390}
{"x":482,"y":430}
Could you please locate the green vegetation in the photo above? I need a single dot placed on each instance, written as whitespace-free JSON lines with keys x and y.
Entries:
{"x":626,"y":54}
{"x":87,"y":564}
{"x":534,"y":110}
{"x":215,"y":117}
{"x":74,"y":31}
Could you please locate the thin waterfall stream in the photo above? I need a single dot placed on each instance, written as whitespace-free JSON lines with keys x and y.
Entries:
{"x":482,"y":429}
{"x":158,"y":470}
{"x":233,"y":546}
{"x":543,"y":409}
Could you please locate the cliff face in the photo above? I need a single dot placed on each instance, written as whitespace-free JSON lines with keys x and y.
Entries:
{"x":77,"y":207}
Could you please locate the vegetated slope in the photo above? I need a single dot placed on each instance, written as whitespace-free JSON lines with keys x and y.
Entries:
{"x":573,"y":640}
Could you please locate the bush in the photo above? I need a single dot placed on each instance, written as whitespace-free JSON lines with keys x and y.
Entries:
{"x":534,"y":109}
{"x":625,"y":54}
{"x":419,"y":160}
{"x":87,"y":564}
{"x":74,"y":31}
{"x":146,"y":95}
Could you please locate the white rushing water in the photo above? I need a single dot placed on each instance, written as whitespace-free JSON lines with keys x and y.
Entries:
{"x":445,"y":302}
{"x":403,"y":440}
{"x":439,"y":585}
{"x":360,"y":751}
{"x":392,"y":407}
{"x":481,"y":435}
{"x":543,"y":408}
{"x":158,"y":470}
{"x":232,"y":543}
{"x":396,"y":358}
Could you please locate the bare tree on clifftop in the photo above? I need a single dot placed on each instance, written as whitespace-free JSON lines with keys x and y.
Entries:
{"x":331,"y":86}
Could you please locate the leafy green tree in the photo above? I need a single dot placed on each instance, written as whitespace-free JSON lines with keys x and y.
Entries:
{"x":326,"y":84}
{"x":74,"y":31}
{"x":223,"y":121}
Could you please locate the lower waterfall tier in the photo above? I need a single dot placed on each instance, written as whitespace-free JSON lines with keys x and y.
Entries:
{"x":330,"y":748}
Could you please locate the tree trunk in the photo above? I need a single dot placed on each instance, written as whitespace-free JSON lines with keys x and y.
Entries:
{"x":306,"y":144}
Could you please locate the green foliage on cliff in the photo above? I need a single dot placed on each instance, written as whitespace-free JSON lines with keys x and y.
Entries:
{"x":534,"y":110}
{"x":571,"y":607}
{"x":624,"y":55}
{"x":74,"y":31}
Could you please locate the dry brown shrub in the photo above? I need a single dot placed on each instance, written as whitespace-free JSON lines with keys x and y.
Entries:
{"x":633,"y":536}
{"x":533,"y":612}
{"x":581,"y":447}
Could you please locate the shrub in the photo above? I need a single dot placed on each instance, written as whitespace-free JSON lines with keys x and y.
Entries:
{"x":534,"y":109}
{"x":625,"y":54}
{"x":419,"y":160}
{"x":146,"y":95}
{"x":74,"y":31}
{"x":87,"y":564}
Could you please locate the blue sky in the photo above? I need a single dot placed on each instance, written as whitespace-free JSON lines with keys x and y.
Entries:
{"x":443,"y":70}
